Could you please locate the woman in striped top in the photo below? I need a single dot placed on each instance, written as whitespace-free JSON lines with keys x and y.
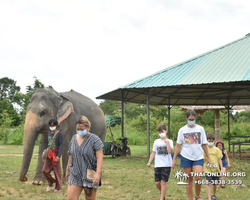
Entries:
{"x":85,"y":162}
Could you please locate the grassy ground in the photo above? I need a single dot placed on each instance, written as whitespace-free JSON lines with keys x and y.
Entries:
{"x":123,"y":178}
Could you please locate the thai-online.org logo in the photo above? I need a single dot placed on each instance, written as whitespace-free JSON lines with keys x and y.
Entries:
{"x":182,"y":177}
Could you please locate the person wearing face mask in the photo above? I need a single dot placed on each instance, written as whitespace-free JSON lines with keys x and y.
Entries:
{"x":52,"y":163}
{"x":192,"y":138}
{"x":162,"y":149}
{"x":212,"y":169}
{"x":85,"y":161}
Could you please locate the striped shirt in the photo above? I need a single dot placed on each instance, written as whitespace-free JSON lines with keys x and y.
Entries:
{"x":83,"y":158}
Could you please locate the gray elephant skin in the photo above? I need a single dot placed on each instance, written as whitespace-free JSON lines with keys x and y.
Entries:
{"x":66,"y":107}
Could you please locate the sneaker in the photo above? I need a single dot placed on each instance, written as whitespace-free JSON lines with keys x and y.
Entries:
{"x":56,"y":191}
{"x":49,"y":188}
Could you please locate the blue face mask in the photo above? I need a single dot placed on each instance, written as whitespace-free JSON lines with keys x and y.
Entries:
{"x":82,"y":133}
{"x":191,"y":123}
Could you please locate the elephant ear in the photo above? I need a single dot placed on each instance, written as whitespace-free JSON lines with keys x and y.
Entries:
{"x":65,"y":109}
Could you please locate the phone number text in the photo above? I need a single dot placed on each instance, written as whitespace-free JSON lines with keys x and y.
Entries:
{"x":219,"y":182}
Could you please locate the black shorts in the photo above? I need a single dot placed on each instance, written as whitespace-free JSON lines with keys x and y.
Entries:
{"x":162,"y":174}
{"x":214,"y":180}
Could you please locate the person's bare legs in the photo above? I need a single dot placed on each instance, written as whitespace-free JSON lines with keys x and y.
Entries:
{"x":223,"y":178}
{"x":189,"y":186}
{"x":163,"y":189}
{"x":158,"y":185}
{"x":197,"y":187}
{"x":214,"y":189}
{"x":90,"y":193}
{"x":209,"y":191}
{"x":74,"y":192}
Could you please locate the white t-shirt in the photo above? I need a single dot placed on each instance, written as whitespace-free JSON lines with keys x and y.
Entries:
{"x":191,"y":140}
{"x":162,"y":157}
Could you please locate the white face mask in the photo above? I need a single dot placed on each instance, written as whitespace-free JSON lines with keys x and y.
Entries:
{"x":162,"y":135}
{"x":52,"y":128}
{"x":210,"y":144}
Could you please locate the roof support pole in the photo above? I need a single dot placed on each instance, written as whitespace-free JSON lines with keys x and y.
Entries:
{"x":228,"y":124}
{"x":148,"y":122}
{"x":169,"y":121}
{"x":122,"y":114}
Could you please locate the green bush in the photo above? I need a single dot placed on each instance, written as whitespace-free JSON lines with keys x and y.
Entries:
{"x":16,"y":135}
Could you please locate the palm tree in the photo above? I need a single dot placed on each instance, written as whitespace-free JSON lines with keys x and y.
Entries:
{"x":178,"y":175}
{"x":185,"y":176}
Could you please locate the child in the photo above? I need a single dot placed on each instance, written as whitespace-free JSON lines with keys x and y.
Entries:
{"x":215,"y":160}
{"x":162,"y":150}
{"x":225,"y":162}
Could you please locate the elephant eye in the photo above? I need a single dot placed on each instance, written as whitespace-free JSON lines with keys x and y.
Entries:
{"x":43,"y":113}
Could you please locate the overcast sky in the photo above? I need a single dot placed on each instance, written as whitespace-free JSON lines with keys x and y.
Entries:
{"x":95,"y":46}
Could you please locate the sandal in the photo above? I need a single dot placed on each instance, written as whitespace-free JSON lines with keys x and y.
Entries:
{"x":214,"y":197}
{"x":197,"y":198}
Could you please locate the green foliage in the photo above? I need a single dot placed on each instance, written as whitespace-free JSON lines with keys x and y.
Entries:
{"x":133,"y":110}
{"x":177,"y":120}
{"x":29,"y":91}
{"x":108,"y":107}
{"x":8,"y":89}
{"x":36,"y":85}
{"x":207,"y":119}
{"x":13,"y":100}
{"x":16,"y":135}
{"x":223,"y":118}
{"x":6,"y":106}
{"x":159,"y":112}
{"x":243,"y":116}
{"x":6,"y":122}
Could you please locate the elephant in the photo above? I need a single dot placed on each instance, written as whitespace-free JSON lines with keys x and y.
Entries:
{"x":66,"y":108}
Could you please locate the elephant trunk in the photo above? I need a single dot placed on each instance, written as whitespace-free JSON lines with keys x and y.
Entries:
{"x":30,"y":136}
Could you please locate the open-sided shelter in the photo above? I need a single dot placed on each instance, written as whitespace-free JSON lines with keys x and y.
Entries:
{"x":218,"y":77}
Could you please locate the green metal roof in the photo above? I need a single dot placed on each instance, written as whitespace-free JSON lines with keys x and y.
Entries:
{"x":227,"y":63}
{"x":211,"y":78}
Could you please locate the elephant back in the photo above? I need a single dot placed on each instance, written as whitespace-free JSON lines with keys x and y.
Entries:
{"x":83,"y":105}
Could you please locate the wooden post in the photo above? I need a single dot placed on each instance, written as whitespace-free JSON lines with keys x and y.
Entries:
{"x":217,"y":124}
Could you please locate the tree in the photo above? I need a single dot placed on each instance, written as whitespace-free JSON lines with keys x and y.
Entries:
{"x":243,"y":116}
{"x":23,"y":99}
{"x":8,"y":89}
{"x":134,"y":110}
{"x":109,"y":107}
{"x":36,"y":85}
{"x":6,"y":106}
{"x":6,"y":123}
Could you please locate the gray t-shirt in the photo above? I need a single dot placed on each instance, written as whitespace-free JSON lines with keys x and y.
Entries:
{"x":191,"y":140}
{"x":83,"y":158}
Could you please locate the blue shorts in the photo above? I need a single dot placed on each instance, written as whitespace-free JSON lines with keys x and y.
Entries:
{"x":224,"y":163}
{"x":186,"y":163}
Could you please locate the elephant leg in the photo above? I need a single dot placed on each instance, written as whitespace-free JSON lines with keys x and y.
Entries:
{"x":39,"y":178}
{"x":65,"y":155}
